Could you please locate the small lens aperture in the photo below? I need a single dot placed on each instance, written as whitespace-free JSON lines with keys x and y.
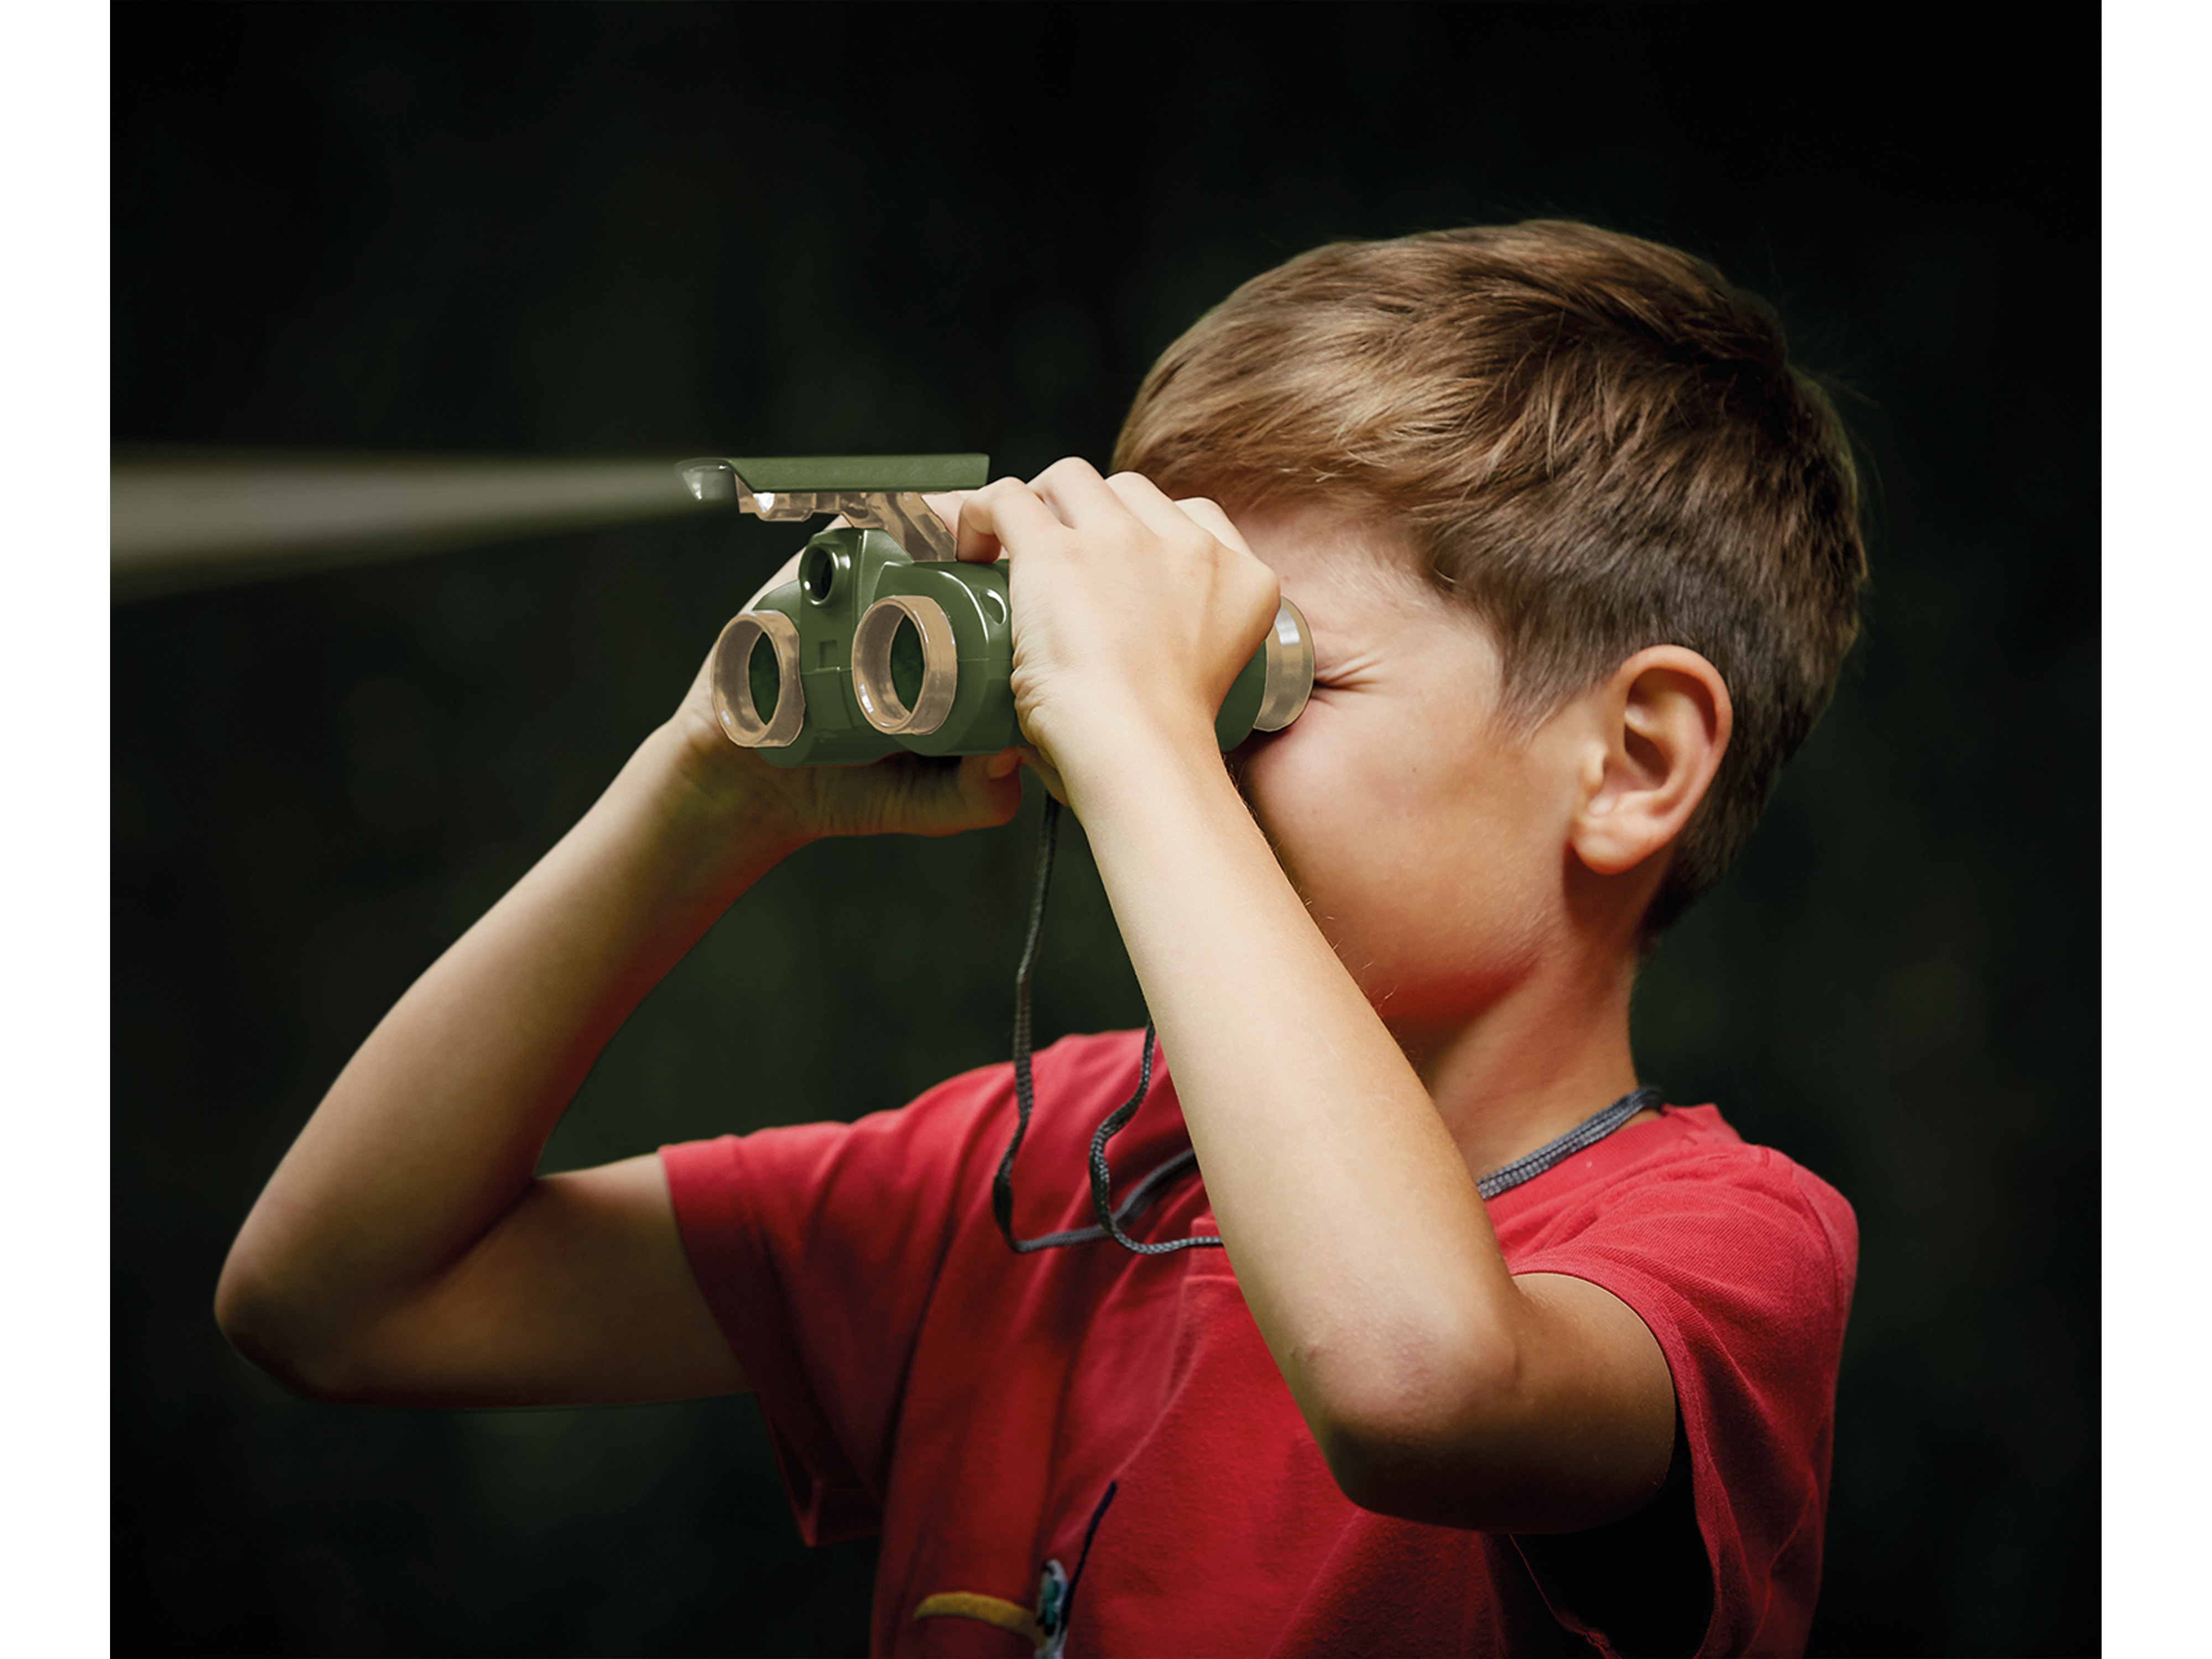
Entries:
{"x":906,"y":663}
{"x":764,"y":677}
{"x":819,"y":573}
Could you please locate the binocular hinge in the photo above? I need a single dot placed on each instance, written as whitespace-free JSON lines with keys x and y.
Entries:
{"x":906,"y":519}
{"x":901,"y":514}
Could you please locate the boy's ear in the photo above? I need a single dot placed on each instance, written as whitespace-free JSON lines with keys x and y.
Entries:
{"x":1662,"y":724}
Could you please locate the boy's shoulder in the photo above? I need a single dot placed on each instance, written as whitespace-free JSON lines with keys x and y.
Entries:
{"x":1741,"y":1263}
{"x":1686,"y":1186}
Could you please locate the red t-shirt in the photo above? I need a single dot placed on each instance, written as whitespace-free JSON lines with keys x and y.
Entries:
{"x":973,"y":1406}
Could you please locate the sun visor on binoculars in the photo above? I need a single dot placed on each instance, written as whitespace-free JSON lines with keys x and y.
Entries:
{"x":886,"y":641}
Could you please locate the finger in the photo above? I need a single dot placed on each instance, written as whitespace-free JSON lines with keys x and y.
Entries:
{"x":1208,"y":515}
{"x":999,"y":517}
{"x":1073,"y":490}
{"x":1149,"y":505}
{"x":968,"y":796}
{"x":1047,"y":774}
{"x":946,"y":505}
{"x":986,"y":797}
{"x":1149,"y":502}
{"x":975,"y":537}
{"x":907,"y":794}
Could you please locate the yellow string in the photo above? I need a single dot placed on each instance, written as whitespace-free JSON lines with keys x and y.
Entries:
{"x":990,"y":1609}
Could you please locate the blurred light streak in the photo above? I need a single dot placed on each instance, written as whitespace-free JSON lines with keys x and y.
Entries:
{"x":182,"y":519}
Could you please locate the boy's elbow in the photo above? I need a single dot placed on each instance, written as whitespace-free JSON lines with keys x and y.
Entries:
{"x":270,"y":1327}
{"x":1410,"y":1438}
{"x":1460,"y":1434}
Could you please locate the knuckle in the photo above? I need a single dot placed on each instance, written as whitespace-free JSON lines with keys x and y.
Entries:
{"x":1258,"y":585}
{"x":1201,"y":551}
{"x":1068,"y":466}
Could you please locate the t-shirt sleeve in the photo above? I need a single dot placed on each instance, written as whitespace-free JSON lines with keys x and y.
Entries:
{"x":817,"y":1248}
{"x":1741,"y":1264}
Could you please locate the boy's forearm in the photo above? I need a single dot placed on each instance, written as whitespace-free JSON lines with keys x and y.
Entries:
{"x":1354,"y":1224}
{"x":434,"y":1128}
{"x":1438,"y":1386}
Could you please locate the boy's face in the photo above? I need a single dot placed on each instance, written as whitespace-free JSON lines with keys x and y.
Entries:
{"x":1428,"y":843}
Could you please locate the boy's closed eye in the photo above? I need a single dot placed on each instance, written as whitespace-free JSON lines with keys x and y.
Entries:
{"x":1345,"y":655}
{"x":1347,"y":671}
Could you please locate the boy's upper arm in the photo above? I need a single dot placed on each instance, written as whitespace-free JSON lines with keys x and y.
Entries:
{"x":581,"y":1295}
{"x":1577,"y":1433}
{"x":1741,"y":1267}
{"x":1606,"y":1430}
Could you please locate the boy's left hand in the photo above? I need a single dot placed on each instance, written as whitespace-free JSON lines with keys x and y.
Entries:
{"x":1134,"y":612}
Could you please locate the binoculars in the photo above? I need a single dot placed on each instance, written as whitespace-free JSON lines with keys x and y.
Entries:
{"x":887,"y":641}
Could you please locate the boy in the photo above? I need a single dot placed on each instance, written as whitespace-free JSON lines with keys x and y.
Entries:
{"x":1476,"y":1371}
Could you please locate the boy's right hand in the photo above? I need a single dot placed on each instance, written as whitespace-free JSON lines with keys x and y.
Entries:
{"x":900,"y":794}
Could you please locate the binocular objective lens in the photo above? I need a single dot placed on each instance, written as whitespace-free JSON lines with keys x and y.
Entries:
{"x":905,"y":665}
{"x":758,"y":700}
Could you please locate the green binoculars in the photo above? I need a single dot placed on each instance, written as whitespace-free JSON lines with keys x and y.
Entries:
{"x":886,"y":641}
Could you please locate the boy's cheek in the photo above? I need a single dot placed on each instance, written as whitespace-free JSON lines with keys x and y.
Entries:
{"x":1331,"y":765}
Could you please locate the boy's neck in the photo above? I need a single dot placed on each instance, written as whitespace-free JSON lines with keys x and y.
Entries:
{"x":1532,"y":1065}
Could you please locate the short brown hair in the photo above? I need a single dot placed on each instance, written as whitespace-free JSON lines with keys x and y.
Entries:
{"x":1596,"y":441}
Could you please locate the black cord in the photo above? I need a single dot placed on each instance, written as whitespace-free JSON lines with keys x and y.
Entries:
{"x":1584,"y":1135}
{"x":1140,"y":1197}
{"x":1102,"y":1184}
{"x":1075,"y":1583}
{"x":1002,"y":1184}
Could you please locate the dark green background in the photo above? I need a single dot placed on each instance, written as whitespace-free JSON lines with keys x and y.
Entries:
{"x":670,"y":229}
